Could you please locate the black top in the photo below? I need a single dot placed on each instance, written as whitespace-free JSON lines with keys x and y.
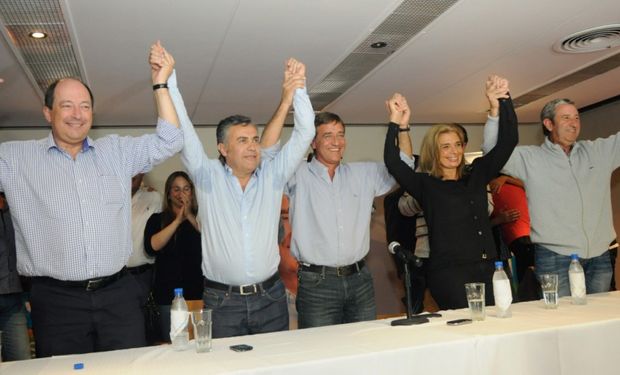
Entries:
{"x":178,"y":264}
{"x":457,"y":211}
{"x":9,"y":279}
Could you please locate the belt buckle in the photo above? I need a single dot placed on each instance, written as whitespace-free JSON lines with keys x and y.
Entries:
{"x":339,"y":271}
{"x":253,"y":289}
{"x":93,"y":284}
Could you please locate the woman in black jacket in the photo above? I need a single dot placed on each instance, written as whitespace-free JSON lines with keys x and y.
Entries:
{"x":454,"y":200}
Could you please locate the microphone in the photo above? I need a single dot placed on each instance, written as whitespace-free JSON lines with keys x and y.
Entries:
{"x":395,"y":249}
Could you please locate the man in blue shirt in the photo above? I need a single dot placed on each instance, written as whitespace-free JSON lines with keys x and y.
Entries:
{"x":239,"y":197}
{"x":70,"y":204}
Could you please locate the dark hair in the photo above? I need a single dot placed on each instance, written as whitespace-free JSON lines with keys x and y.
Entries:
{"x":322,"y":118}
{"x":167,"y":213}
{"x":221,"y":133}
{"x":548,"y":112}
{"x":49,"y":93}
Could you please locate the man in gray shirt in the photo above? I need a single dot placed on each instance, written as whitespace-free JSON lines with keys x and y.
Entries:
{"x":567,"y":183}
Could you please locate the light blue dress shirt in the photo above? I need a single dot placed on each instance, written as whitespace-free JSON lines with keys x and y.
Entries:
{"x":72,"y":218}
{"x":240,"y":227}
{"x":330,"y":219}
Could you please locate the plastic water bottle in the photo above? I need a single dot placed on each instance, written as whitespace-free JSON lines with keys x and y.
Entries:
{"x":179,"y":319}
{"x":577,"y":281}
{"x":502,"y":291}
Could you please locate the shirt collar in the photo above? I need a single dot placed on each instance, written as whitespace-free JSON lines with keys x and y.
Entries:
{"x":320,"y":168}
{"x":557,"y":148}
{"x":51,"y":143}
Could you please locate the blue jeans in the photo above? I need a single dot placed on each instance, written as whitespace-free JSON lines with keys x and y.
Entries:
{"x":597,"y":270}
{"x":237,"y":315}
{"x":326,"y":299}
{"x":15,"y":341}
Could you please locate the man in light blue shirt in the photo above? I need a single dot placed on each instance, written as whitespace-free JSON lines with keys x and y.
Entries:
{"x":239,"y":197}
{"x":330,"y":212}
{"x":70,"y":199}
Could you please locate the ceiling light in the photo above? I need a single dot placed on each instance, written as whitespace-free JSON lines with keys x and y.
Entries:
{"x":378,"y":45}
{"x":37,"y":35}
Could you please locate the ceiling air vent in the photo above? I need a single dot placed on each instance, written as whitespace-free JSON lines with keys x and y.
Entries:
{"x":590,"y":40}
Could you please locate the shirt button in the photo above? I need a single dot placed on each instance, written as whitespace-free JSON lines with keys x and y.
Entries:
{"x":475,"y":217}
{"x":480,"y":233}
{"x":471,"y":202}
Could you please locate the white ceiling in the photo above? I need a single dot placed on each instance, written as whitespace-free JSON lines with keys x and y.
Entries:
{"x":230,"y":56}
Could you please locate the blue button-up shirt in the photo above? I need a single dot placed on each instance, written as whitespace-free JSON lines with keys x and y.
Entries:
{"x":240,"y":227}
{"x":72,"y":217}
{"x":330,"y":219}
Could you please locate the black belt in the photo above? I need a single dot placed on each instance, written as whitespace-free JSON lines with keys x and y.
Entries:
{"x":338,"y":271}
{"x":88,"y":285}
{"x":139,"y":269}
{"x":244,"y":290}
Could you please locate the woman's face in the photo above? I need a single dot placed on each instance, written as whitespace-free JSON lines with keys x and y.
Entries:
{"x":450,"y":151}
{"x":180,"y":192}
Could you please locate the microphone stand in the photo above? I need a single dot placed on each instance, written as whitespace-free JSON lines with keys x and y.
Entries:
{"x":411,"y":319}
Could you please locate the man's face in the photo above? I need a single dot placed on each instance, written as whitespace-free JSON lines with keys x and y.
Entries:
{"x":329,"y":143}
{"x":71,"y":115}
{"x":241,"y":149}
{"x":565,"y":126}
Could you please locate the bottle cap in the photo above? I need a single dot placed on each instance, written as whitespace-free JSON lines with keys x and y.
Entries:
{"x":78,"y":366}
{"x":178,"y":292}
{"x":574,"y":257}
{"x":499,"y":264}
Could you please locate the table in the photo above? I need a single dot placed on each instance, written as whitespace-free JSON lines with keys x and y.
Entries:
{"x":570,"y":340}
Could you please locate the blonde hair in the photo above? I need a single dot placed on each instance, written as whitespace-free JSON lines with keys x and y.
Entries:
{"x":429,"y":153}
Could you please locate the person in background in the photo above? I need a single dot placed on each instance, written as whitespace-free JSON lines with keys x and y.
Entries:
{"x":145,"y":201}
{"x":568,"y":194}
{"x":70,"y":204}
{"x":454,"y":201}
{"x":240,"y":196}
{"x":15,"y":341}
{"x":173,"y":238}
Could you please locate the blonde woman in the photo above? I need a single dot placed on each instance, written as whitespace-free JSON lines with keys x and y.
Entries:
{"x":454,"y":199}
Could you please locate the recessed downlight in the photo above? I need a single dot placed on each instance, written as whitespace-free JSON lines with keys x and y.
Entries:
{"x":37,"y":35}
{"x":378,"y":45}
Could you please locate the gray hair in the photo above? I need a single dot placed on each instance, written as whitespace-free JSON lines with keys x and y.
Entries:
{"x":548,"y":112}
{"x":221,"y":133}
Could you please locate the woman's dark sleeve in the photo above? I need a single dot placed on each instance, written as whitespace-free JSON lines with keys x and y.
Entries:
{"x":401,"y":172}
{"x":153,"y":226}
{"x":507,"y":138}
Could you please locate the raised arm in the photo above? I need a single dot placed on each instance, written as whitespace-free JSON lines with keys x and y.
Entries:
{"x":287,"y":160}
{"x":401,"y":171}
{"x":400,"y":113}
{"x":507,"y":138}
{"x":294,"y":78}
{"x":162,"y":64}
{"x":496,"y":88}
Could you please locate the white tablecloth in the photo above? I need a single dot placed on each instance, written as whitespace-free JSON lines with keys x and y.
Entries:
{"x":581,"y":340}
